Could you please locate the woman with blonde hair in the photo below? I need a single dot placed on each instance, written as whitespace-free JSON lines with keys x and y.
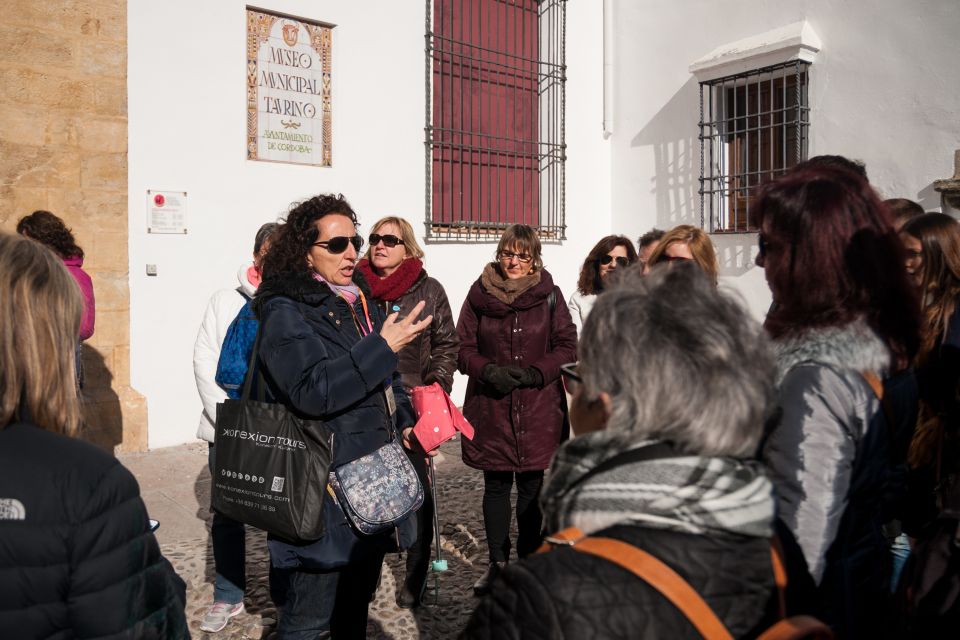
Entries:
{"x":77,"y":557}
{"x":393,"y":267}
{"x":686,"y":242}
{"x":515,"y":332}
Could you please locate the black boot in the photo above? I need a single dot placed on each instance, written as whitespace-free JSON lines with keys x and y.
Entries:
{"x":482,"y":586}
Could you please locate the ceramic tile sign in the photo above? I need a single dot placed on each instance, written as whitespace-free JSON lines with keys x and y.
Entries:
{"x":166,"y":211}
{"x":288,"y":89}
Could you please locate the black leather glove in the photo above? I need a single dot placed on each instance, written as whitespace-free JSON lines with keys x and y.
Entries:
{"x":500,"y":378}
{"x":528,"y":377}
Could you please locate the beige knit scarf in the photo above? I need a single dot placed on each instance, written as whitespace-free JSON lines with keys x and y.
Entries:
{"x":504,"y":289}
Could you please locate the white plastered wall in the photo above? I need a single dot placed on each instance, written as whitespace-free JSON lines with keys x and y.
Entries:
{"x":885,"y":89}
{"x":187,"y":132}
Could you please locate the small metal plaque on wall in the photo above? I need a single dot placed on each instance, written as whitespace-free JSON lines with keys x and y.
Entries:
{"x":288,"y":89}
{"x":166,"y":211}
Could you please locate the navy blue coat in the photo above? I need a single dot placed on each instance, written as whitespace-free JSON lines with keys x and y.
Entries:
{"x":316,"y":362}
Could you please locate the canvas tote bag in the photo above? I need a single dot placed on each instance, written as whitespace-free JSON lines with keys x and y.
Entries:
{"x":271,"y":465}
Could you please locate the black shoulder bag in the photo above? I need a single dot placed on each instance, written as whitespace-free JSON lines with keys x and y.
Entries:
{"x":271,"y":465}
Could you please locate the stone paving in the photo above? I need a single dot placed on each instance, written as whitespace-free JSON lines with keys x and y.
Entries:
{"x":175,"y":485}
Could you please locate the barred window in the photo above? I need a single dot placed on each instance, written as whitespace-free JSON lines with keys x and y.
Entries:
{"x":495,"y":77}
{"x":753,"y":127}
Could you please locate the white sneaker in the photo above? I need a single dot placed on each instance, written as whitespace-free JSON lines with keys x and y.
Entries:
{"x":219,"y":615}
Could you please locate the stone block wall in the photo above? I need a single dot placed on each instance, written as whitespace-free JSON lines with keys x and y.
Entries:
{"x":63,"y":144}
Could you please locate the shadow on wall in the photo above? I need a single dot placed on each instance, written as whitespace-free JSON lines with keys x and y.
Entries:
{"x":673,"y":135}
{"x":102,"y":415}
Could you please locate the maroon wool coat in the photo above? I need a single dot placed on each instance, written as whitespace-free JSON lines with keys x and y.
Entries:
{"x":519,"y":431}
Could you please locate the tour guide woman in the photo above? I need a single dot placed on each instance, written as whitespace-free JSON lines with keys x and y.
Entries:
{"x":328,"y":353}
{"x":515,"y":333}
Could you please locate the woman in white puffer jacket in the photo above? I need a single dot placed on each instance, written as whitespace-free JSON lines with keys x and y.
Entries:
{"x":229,"y":550}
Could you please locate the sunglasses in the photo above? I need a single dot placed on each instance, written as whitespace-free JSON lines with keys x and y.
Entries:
{"x":340,"y":244}
{"x":389,"y":241}
{"x":621,"y":261}
{"x":509,"y":255}
{"x":571,"y":379}
{"x":673,"y":259}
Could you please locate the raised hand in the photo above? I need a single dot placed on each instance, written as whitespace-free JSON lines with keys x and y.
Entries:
{"x":400,"y":334}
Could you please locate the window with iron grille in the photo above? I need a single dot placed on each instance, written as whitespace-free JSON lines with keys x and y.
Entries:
{"x":495,"y":77}
{"x":753,"y":127}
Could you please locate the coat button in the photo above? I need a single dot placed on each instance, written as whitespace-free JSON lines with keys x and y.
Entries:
{"x":338,"y":322}
{"x":330,"y":313}
{"x":516,"y":357}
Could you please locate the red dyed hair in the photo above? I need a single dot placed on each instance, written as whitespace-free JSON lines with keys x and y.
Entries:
{"x":832,"y":255}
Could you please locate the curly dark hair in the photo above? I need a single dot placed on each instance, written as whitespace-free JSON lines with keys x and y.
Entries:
{"x":48,"y":229}
{"x":589,"y":282}
{"x":290,"y":244}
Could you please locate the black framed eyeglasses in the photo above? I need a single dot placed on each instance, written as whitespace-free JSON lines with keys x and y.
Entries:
{"x":621,"y":260}
{"x":339,"y":244}
{"x":570,"y":377}
{"x":389,"y":240}
{"x":510,"y":255}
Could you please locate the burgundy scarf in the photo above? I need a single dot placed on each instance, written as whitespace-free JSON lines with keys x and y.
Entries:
{"x":394,"y":285}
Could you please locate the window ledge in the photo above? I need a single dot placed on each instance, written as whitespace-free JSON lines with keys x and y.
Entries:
{"x":797,"y":41}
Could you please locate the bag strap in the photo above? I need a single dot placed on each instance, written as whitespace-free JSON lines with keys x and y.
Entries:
{"x":797,"y":628}
{"x":653,"y":571}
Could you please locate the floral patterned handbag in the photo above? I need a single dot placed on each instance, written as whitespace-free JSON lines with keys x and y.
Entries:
{"x":378,"y":490}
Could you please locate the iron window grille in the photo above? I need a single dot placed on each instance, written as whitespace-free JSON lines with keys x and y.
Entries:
{"x":753,"y":127}
{"x":495,"y":101}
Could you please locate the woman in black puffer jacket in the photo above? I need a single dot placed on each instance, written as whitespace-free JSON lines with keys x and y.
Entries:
{"x":327,"y":352}
{"x":77,"y":558}
{"x":667,"y":417}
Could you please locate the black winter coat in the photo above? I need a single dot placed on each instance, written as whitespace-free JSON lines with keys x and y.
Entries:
{"x":567,"y":594}
{"x":77,"y":558}
{"x":519,"y":431}
{"x":316,"y":362}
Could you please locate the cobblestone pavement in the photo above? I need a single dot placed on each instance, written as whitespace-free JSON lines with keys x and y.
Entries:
{"x":444,"y":613}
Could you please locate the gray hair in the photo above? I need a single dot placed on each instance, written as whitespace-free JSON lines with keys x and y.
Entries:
{"x":263,"y":234}
{"x":681,"y":361}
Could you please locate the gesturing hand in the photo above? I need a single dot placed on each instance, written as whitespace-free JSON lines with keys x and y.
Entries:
{"x":400,"y":334}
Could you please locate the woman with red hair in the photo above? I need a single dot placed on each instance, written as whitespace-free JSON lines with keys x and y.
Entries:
{"x":845,"y":334}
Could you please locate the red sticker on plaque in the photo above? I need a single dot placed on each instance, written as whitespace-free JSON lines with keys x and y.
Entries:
{"x":159,"y":200}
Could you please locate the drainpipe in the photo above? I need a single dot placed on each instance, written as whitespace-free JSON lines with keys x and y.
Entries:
{"x":607,"y":68}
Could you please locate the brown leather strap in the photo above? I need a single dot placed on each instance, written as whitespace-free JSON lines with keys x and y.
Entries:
{"x":657,"y":574}
{"x":797,"y":628}
{"x":876,"y":384}
{"x":779,"y":575}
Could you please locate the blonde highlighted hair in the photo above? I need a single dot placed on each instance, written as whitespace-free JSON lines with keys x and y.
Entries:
{"x":40,"y":309}
{"x":701,"y":248}
{"x":406,"y":234}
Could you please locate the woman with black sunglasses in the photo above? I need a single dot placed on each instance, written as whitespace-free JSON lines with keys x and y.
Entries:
{"x":515,"y":332}
{"x":608,"y":255}
{"x":393,"y":267}
{"x":328,"y":352}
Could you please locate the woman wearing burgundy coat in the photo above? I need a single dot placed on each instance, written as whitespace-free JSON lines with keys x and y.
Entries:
{"x":515,"y":332}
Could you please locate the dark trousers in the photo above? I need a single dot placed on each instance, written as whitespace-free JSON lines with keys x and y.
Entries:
{"x":229,"y":552}
{"x":330,"y":604}
{"x":496,"y":512}
{"x":418,"y":556}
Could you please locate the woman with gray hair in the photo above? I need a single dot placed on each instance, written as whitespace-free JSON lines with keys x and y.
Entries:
{"x":669,"y":403}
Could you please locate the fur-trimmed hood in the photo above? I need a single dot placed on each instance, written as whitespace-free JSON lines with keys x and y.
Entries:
{"x":302,"y":287}
{"x":853,"y":346}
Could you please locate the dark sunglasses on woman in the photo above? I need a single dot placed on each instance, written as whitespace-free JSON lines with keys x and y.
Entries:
{"x":570,"y":377}
{"x":621,"y":261}
{"x":339,"y":244}
{"x":389,"y":240}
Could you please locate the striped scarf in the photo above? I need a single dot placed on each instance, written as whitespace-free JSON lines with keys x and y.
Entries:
{"x":686,"y":493}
